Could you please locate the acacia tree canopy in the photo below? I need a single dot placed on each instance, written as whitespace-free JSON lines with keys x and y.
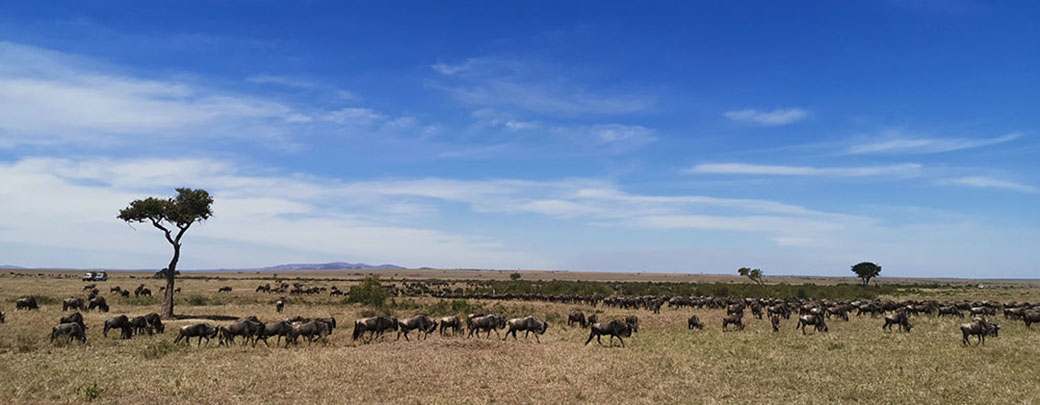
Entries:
{"x":752,"y":274}
{"x":866,"y":271}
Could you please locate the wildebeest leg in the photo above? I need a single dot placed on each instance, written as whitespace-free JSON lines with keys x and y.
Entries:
{"x":590,"y":337}
{"x":620,"y":340}
{"x":536,"y":338}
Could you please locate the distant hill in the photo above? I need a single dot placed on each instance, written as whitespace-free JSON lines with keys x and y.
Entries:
{"x":10,"y":267}
{"x":330,"y":266}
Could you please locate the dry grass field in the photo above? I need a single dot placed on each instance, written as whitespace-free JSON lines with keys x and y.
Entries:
{"x":663,"y":363}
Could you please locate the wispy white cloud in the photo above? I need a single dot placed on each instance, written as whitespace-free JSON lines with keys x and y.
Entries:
{"x":894,"y":142}
{"x":990,"y":182}
{"x":780,"y":116}
{"x":907,"y":169}
{"x":280,"y":80}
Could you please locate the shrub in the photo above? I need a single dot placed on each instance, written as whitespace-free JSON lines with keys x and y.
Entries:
{"x":370,"y":292}
{"x":93,"y":392}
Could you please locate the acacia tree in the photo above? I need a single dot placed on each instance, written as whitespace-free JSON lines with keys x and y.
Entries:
{"x":866,"y":271}
{"x":752,"y":274}
{"x":173,"y":216}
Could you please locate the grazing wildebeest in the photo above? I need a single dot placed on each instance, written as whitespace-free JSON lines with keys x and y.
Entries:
{"x":224,"y":289}
{"x":156,"y":322}
{"x":249,"y":329}
{"x":199,"y":330}
{"x":1031,"y":317}
{"x":72,"y":330}
{"x":120,"y":322}
{"x":633,"y":323}
{"x":141,"y":325}
{"x":143,"y":292}
{"x":374,"y":325}
{"x":694,"y":322}
{"x":735,"y":319}
{"x":614,"y":328}
{"x":124,"y":294}
{"x":279,"y":305}
{"x":422,"y":322}
{"x":311,"y":330}
{"x":775,"y":321}
{"x":451,"y":323}
{"x":979,"y":327}
{"x":811,"y":320}
{"x":74,"y":303}
{"x":898,"y":318}
{"x":99,"y":303}
{"x":486,"y":323}
{"x":576,"y":318}
{"x":950,"y":311}
{"x":527,"y":325}
{"x":74,"y":317}
{"x":115,"y":290}
{"x":26,"y":303}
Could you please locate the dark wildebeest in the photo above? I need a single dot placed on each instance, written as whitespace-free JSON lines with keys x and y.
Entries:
{"x":950,"y":311}
{"x":279,"y":305}
{"x":614,"y":328}
{"x":735,"y":319}
{"x":115,"y":290}
{"x":72,"y":330}
{"x":330,"y":322}
{"x":199,"y":330}
{"x":74,"y":317}
{"x":775,"y":321}
{"x":314,"y":329}
{"x":633,"y":323}
{"x":527,"y":325}
{"x":576,"y":318}
{"x":486,"y":323}
{"x":594,"y":318}
{"x":279,"y":328}
{"x":120,"y":322}
{"x":2,"y":318}
{"x":124,"y":294}
{"x":224,"y":289}
{"x":249,"y":329}
{"x":979,"y":327}
{"x":26,"y":303}
{"x":975,"y":311}
{"x":141,"y":325}
{"x":74,"y":303}
{"x":99,"y":303}
{"x":694,"y":322}
{"x":451,"y":323}
{"x":89,"y":287}
{"x":156,"y":322}
{"x":374,"y":325}
{"x":811,"y":320}
{"x":422,"y":322}
{"x":898,"y":318}
{"x":1031,"y":317}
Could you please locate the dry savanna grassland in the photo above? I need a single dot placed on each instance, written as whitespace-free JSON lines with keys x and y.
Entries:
{"x":664,"y":362}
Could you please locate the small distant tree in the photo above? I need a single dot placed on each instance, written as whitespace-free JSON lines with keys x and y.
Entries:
{"x":752,"y":274}
{"x":173,"y":216}
{"x":515,"y":276}
{"x":866,"y":271}
{"x":370,"y":292}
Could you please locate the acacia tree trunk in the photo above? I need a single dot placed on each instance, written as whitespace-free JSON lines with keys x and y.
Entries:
{"x":167,"y":305}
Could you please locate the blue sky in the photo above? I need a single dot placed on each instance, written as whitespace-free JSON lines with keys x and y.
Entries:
{"x":797,"y":137}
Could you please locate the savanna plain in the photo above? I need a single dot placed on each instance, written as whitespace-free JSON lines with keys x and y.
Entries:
{"x":664,"y":362}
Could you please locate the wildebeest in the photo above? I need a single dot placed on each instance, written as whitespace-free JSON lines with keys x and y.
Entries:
{"x":775,"y":322}
{"x":74,"y":303}
{"x":979,"y":327}
{"x":99,"y":303}
{"x":898,"y":318}
{"x":74,"y":317}
{"x":199,"y":330}
{"x":224,"y":289}
{"x":633,"y":323}
{"x":72,"y":330}
{"x":576,"y":318}
{"x":120,"y":322}
{"x":124,"y":294}
{"x":141,"y":290}
{"x":811,"y":320}
{"x":451,"y":323}
{"x":375,"y":325}
{"x":735,"y":319}
{"x":89,"y":287}
{"x":614,"y":328}
{"x":314,"y":329}
{"x":486,"y":323}
{"x":950,"y":311}
{"x":592,"y":319}
{"x":249,"y":329}
{"x":141,"y":325}
{"x":1031,"y":317}
{"x":694,"y":322}
{"x":115,"y":290}
{"x":2,"y":317}
{"x":527,"y":325}
{"x":26,"y":303}
{"x":422,"y":322}
{"x":279,"y":305}
{"x":977,"y":311}
{"x":279,"y":328}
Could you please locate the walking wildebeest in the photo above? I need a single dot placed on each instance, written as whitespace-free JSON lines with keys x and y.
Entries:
{"x":74,"y":317}
{"x":72,"y":330}
{"x":614,"y":328}
{"x":527,"y":325}
{"x":576,"y":318}
{"x":451,"y":323}
{"x":775,"y":322}
{"x":314,"y":329}
{"x":279,"y":305}
{"x":224,"y":289}
{"x":486,"y":323}
{"x":694,"y":322}
{"x":120,"y":322}
{"x":979,"y":327}
{"x":1031,"y":317}
{"x":199,"y":330}
{"x":249,"y":329}
{"x":74,"y":303}
{"x":633,"y":323}
{"x":422,"y":322}
{"x":99,"y":303}
{"x":735,"y":319}
{"x":374,"y":325}
{"x":811,"y":320}
{"x":26,"y":303}
{"x":898,"y":318}
{"x":280,"y":328}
